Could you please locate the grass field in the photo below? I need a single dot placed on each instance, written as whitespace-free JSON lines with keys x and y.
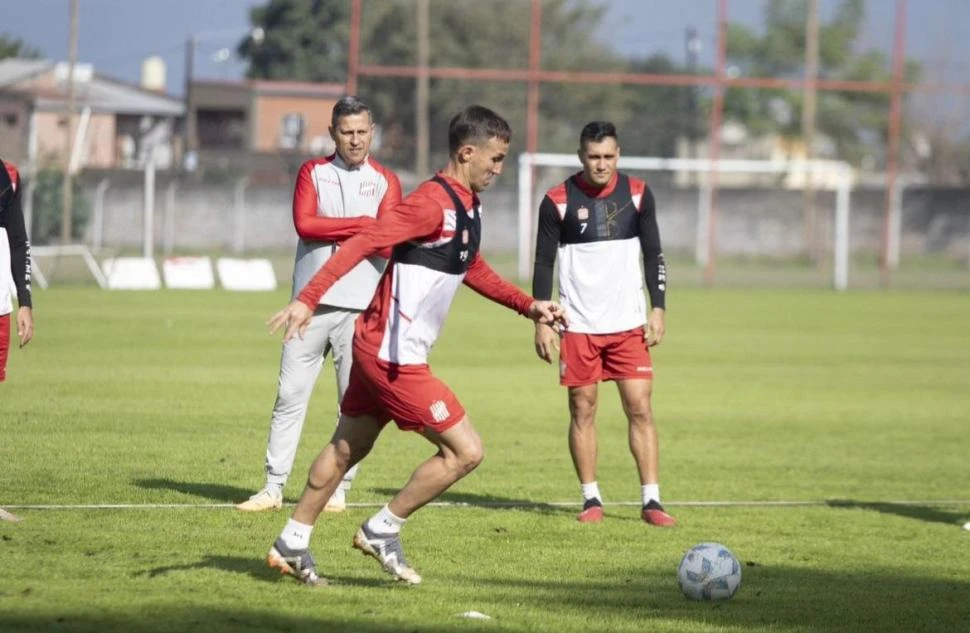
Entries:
{"x":853,"y":408}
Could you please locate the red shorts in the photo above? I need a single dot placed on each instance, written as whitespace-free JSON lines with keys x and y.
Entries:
{"x":407,"y":394}
{"x":586,"y":359}
{"x":4,"y":344}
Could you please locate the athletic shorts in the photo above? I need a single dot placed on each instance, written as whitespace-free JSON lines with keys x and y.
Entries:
{"x":4,"y":344}
{"x":586,"y":359}
{"x":408,"y":394}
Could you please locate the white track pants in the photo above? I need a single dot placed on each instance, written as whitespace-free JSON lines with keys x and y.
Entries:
{"x":331,"y":331}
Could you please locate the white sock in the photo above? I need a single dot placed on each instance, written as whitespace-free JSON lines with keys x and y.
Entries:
{"x":591,"y":491}
{"x":385,"y":522}
{"x":650,"y":491}
{"x":296,"y":535}
{"x":275,"y":489}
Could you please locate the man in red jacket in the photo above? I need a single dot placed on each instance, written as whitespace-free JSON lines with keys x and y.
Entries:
{"x":335,"y":198}
{"x":436,"y":233}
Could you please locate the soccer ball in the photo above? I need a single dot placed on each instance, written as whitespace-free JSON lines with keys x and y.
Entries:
{"x":709,"y":571}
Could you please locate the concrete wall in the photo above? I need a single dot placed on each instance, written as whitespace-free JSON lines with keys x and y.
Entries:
{"x":751,"y":222}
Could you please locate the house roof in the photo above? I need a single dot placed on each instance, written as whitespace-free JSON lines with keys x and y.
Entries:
{"x":100,"y":93}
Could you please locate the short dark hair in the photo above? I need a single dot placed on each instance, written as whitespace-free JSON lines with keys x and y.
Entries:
{"x":476,"y":125}
{"x":596,"y":131}
{"x":347,"y":106}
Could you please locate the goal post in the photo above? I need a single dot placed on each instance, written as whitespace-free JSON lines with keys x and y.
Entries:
{"x":837,"y":175}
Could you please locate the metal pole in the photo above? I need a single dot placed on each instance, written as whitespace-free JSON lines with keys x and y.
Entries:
{"x":67,"y":206}
{"x":189,"y":139}
{"x":239,"y":204}
{"x":717,"y":113}
{"x":168,"y":237}
{"x":422,"y":95}
{"x":525,"y":215}
{"x":842,"y":247}
{"x":353,"y":49}
{"x":535,"y":51}
{"x":97,"y":232}
{"x":148,"y":245}
{"x":809,"y":93}
{"x":895,"y":122}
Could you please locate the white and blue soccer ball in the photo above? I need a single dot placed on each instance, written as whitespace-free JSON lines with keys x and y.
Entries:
{"x":709,"y":571}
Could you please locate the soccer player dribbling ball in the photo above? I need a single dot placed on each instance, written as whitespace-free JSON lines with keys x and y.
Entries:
{"x":436,"y":234}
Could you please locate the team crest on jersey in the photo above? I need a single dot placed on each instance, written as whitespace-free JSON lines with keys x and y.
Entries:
{"x":582,"y":213}
{"x":368,"y":189}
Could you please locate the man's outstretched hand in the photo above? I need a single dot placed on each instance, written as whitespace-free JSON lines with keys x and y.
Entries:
{"x":294,"y":317}
{"x":548,"y":313}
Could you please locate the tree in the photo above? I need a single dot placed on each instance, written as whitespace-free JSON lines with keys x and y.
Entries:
{"x":308,"y":40}
{"x":12,"y":47}
{"x":857,"y":122}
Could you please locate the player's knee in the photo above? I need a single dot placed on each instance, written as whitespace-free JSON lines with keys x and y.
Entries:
{"x":469,"y":458}
{"x":640,"y":416}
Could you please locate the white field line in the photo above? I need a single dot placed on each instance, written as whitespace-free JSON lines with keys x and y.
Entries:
{"x":835,"y":503}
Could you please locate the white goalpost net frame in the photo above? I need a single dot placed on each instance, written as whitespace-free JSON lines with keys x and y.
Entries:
{"x":528,"y":201}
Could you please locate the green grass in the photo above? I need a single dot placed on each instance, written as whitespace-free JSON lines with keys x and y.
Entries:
{"x":846,"y":402}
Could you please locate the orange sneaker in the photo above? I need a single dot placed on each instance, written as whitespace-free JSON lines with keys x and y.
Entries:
{"x":654,"y":514}
{"x":592,"y":511}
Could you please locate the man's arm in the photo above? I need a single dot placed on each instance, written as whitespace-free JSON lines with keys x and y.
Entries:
{"x":392,"y":198}
{"x":309,"y":225}
{"x":417,"y":216}
{"x":19,"y":244}
{"x":483,"y":279}
{"x":547,"y":244}
{"x":654,"y":268}
{"x":19,"y":258}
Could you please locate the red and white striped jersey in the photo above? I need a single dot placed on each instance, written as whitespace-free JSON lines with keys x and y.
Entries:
{"x":331,"y":203}
{"x":436,"y":231}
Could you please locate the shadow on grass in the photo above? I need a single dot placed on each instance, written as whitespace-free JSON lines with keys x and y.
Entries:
{"x":771,"y":598}
{"x":625,"y":596}
{"x":211,"y":492}
{"x":255,"y":568}
{"x":910,"y":511}
{"x":489,"y":502}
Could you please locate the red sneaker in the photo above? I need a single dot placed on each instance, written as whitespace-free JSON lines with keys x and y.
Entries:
{"x":592,"y":512}
{"x":654,"y":514}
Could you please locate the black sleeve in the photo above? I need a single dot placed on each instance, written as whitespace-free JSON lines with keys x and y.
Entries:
{"x":654,"y":268}
{"x":547,"y":245}
{"x":19,"y":248}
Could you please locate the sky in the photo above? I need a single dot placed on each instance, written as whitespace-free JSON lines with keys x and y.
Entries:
{"x":117,"y":35}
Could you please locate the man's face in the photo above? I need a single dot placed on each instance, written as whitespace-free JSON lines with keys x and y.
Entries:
{"x":599,"y":160}
{"x":485,"y":162}
{"x":352,"y":135}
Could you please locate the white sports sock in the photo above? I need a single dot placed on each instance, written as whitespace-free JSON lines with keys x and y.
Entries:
{"x":296,"y":535}
{"x":385,"y":522}
{"x":650,"y":491}
{"x":591,"y":491}
{"x":275,"y":489}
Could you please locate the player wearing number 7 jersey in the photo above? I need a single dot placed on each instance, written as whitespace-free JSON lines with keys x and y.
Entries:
{"x":601,"y":222}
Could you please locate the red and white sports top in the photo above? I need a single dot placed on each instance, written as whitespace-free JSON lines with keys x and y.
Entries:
{"x":333,"y":202}
{"x":436,"y":231}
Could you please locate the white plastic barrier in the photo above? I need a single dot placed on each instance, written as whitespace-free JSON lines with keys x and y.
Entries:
{"x":246,"y":274}
{"x":188,"y":273}
{"x":131,"y":273}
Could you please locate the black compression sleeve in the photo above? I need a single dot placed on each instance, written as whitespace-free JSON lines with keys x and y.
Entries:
{"x":654,"y":268}
{"x":547,"y":245}
{"x":19,"y":249}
